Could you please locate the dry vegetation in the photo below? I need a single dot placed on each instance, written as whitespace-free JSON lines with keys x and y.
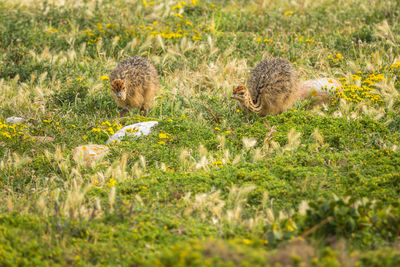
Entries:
{"x":211,"y":185}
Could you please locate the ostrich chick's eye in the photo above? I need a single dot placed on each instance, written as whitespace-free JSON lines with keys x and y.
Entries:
{"x":241,"y":93}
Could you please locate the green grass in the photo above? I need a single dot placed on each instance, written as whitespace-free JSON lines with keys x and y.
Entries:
{"x":307,"y":187}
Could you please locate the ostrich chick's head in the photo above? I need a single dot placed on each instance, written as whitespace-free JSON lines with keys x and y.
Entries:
{"x":118,"y":88}
{"x":240,"y":93}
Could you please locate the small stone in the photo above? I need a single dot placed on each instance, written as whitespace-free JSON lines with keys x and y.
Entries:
{"x":89,"y":154}
{"x":137,"y":129}
{"x":15,"y":120}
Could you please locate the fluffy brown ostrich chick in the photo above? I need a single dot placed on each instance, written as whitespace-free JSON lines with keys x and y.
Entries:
{"x":134,"y":83}
{"x":271,"y":89}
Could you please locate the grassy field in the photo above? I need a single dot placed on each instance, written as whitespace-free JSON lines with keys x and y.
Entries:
{"x":211,"y":185}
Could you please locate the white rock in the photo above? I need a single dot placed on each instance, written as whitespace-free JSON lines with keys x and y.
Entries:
{"x":321,"y":85}
{"x":137,"y":129}
{"x":15,"y":120}
{"x":88,"y":154}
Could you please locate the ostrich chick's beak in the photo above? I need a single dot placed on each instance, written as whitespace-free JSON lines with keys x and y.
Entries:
{"x":118,"y":94}
{"x":233,"y":97}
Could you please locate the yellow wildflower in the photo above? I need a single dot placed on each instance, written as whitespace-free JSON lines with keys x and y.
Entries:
{"x":339,"y":56}
{"x":246,"y":241}
{"x":51,"y":30}
{"x":110,"y":130}
{"x":163,"y":135}
{"x":177,"y":6}
{"x":218,"y":162}
{"x":111,"y":183}
{"x":395,"y":65}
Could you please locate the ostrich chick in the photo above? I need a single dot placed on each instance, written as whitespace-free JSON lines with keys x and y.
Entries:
{"x":134,"y":83}
{"x":271,"y":88}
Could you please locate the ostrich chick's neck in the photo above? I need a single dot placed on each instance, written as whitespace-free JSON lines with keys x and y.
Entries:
{"x":248,"y":103}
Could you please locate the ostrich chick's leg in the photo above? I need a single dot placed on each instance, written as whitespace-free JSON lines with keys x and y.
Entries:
{"x":123,"y":112}
{"x":143,"y":111}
